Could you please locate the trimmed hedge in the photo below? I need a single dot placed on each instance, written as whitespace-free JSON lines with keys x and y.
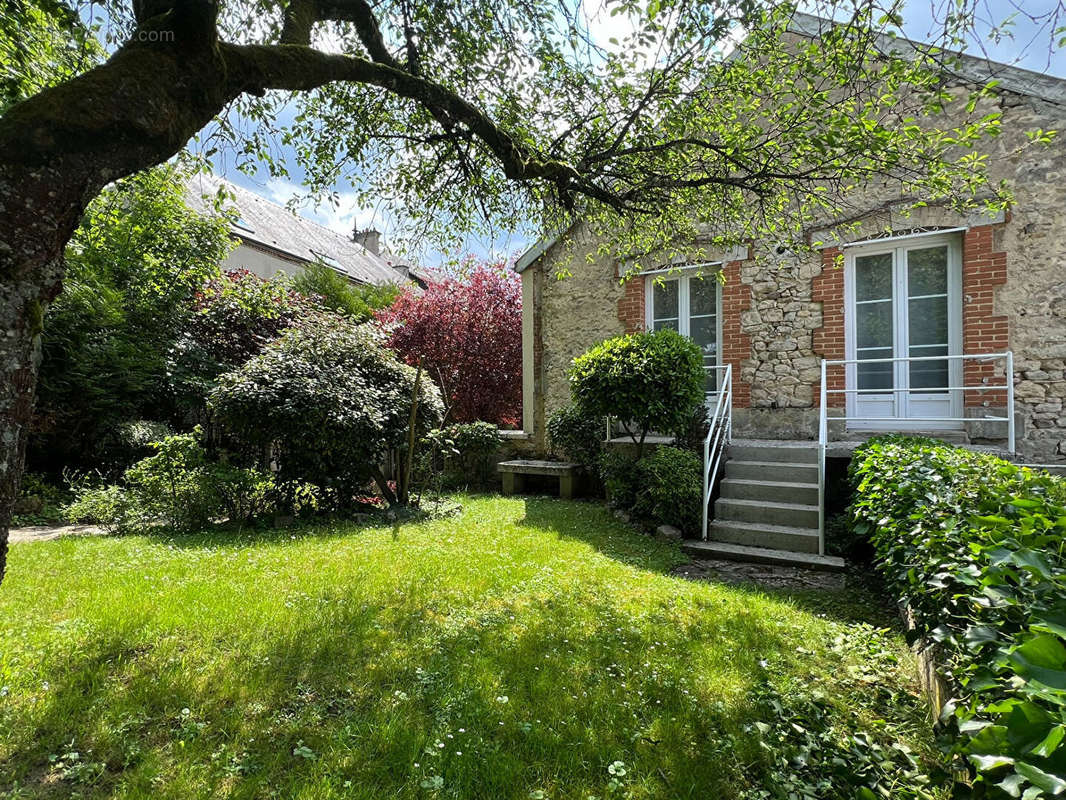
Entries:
{"x":973,"y":545}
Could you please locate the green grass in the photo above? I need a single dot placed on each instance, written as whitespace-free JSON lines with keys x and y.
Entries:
{"x":522,"y":647}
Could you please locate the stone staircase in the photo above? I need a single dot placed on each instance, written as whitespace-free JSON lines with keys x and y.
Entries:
{"x":767,"y":510}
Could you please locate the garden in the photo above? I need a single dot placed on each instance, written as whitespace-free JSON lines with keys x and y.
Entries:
{"x":308,"y":587}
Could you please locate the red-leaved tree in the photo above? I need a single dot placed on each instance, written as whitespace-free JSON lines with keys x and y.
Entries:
{"x":468,"y":333}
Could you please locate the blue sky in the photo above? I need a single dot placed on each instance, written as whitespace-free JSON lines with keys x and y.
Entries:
{"x":1022,"y":44}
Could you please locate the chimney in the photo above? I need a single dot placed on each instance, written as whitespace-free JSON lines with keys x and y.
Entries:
{"x":370,"y":239}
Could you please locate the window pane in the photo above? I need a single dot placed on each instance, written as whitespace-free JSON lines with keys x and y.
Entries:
{"x":875,"y":376}
{"x":873,"y":277}
{"x":929,"y":374}
{"x":704,"y":332}
{"x":928,"y":321}
{"x":660,"y":324}
{"x":873,"y":324}
{"x":927,"y":271}
{"x":703,"y":294}
{"x":664,"y":305}
{"x":711,"y":383}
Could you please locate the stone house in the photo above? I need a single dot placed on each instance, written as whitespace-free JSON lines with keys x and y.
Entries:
{"x":927,"y":284}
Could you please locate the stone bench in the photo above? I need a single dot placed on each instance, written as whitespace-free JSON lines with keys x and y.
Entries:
{"x":514,"y":473}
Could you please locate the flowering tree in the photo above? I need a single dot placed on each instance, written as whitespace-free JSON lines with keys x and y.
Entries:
{"x":467,"y":331}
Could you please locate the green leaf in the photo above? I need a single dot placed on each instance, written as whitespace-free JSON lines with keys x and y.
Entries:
{"x":1037,"y":777}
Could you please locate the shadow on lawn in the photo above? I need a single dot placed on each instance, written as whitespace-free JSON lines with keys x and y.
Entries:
{"x":861,"y":598}
{"x":533,"y":692}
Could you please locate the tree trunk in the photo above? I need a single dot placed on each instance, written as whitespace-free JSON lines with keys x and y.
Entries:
{"x":58,"y":149}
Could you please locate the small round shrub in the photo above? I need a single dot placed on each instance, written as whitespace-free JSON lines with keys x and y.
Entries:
{"x":460,"y":455}
{"x":576,"y":435}
{"x":670,"y":490}
{"x":649,"y":381}
{"x":330,"y":401}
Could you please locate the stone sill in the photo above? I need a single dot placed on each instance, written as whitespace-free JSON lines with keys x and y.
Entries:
{"x":515,"y":436}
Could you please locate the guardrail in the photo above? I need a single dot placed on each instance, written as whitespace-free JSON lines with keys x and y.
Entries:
{"x":718,"y":435}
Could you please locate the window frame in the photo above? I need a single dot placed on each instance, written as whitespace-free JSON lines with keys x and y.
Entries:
{"x":684,"y":276}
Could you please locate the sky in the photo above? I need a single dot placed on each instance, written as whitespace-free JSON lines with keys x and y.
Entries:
{"x":1022,"y":44}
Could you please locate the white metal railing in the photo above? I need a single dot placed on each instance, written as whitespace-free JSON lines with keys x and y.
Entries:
{"x":898,"y":393}
{"x":718,"y":435}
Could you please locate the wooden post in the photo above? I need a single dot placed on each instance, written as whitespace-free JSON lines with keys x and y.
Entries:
{"x":405,"y":477}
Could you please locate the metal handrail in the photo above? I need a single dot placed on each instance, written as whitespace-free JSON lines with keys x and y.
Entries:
{"x":824,"y":392}
{"x":718,"y":437}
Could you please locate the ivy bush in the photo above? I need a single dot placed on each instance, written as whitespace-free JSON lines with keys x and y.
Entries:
{"x":649,"y":381}
{"x":974,"y":545}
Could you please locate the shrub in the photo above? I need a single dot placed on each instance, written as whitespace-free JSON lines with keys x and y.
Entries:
{"x":670,"y":482}
{"x":331,"y":290}
{"x":462,"y":454}
{"x":133,"y":268}
{"x":576,"y":435}
{"x":110,"y":507}
{"x":243,"y":494}
{"x":467,"y":332}
{"x":974,"y":547}
{"x":175,"y":484}
{"x":618,"y":472}
{"x":330,"y":401}
{"x":649,"y":381}
{"x":233,"y":318}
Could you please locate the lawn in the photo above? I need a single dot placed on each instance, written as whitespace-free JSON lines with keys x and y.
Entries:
{"x":526,"y":648}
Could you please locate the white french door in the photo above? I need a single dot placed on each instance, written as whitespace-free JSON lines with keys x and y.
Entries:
{"x":688,"y":303}
{"x":904,"y":301}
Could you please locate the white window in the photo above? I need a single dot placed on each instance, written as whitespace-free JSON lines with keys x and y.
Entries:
{"x":904,"y":301}
{"x":690,"y":303}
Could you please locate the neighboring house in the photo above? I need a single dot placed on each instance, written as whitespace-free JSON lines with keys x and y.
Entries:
{"x":271,"y":239}
{"x":929,"y":284}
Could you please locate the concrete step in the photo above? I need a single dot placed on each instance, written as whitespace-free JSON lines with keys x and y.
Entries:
{"x":784,"y":451}
{"x":772,"y":471}
{"x":775,"y":537}
{"x":761,"y":511}
{"x":763,"y":555}
{"x":774,"y":491}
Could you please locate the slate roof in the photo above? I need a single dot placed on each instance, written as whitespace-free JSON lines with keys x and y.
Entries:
{"x":276,"y":228}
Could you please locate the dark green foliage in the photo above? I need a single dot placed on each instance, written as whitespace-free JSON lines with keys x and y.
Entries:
{"x":691,"y":433}
{"x":330,"y":400}
{"x":816,"y":746}
{"x":575,"y":435}
{"x":670,"y":488}
{"x":133,"y":269}
{"x":649,"y":381}
{"x":974,"y":546}
{"x":618,"y":472}
{"x":177,"y":486}
{"x":40,"y":501}
{"x":333,"y":291}
{"x":232,"y":318}
{"x":461,"y":456}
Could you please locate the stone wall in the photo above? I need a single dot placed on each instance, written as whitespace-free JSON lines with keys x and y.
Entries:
{"x":783,"y":312}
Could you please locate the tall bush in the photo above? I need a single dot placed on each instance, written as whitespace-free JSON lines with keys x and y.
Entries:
{"x":974,"y":546}
{"x":648,"y":381}
{"x":232,"y":318}
{"x":133,"y":268}
{"x":330,"y":401}
{"x":467,"y":333}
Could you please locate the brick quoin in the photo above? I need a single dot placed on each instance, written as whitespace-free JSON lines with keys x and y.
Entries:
{"x":735,"y":344}
{"x":827,"y":288}
{"x":983,"y":269}
{"x":631,"y":304}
